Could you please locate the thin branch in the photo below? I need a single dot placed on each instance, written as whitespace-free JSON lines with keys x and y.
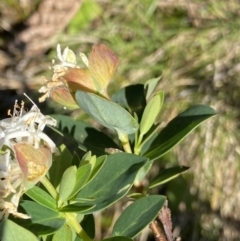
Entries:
{"x":157,"y":231}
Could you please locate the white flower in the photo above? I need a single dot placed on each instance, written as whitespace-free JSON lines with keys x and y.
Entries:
{"x":67,"y":59}
{"x":25,"y":157}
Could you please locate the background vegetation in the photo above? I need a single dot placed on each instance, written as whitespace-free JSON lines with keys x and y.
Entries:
{"x":193,"y":45}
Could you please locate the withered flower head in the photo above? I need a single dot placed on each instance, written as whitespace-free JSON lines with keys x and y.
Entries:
{"x":68,"y":77}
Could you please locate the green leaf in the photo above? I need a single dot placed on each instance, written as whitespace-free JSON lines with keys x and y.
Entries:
{"x":143,"y":172}
{"x":105,"y":112}
{"x":167,"y":175}
{"x":87,"y":157}
{"x":88,"y":225}
{"x":10,"y":231}
{"x":87,"y":201}
{"x":83,"y":135}
{"x":82,"y":176}
{"x":151,"y":112}
{"x":135,"y":195}
{"x":117,"y":238}
{"x":113,"y":180}
{"x":67,"y":184}
{"x":43,"y":220}
{"x":76,"y":208}
{"x":147,"y":140}
{"x":37,"y":212}
{"x":60,"y":164}
{"x":177,"y":129}
{"x":151,"y":85}
{"x":63,"y":234}
{"x":42,"y":197}
{"x":76,"y":160}
{"x":131,"y":98}
{"x":98,"y":165}
{"x":138,"y":215}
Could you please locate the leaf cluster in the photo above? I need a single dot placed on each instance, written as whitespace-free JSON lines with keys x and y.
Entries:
{"x":76,"y":188}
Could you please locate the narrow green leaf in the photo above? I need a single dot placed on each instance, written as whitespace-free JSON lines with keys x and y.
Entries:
{"x":105,"y":112}
{"x":88,"y":224}
{"x":151,"y":85}
{"x":92,"y":161}
{"x":167,"y":175}
{"x":82,"y":176}
{"x":177,"y":129}
{"x":47,"y":227}
{"x":67,"y":184}
{"x":76,"y":208}
{"x":143,"y":171}
{"x":97,"y":167}
{"x":84,"y":135}
{"x":60,"y":164}
{"x":147,"y":140}
{"x":10,"y":231}
{"x":131,"y":98}
{"x":63,"y":234}
{"x":113,"y":180}
{"x":87,"y":157}
{"x":42,"y":197}
{"x":43,"y":220}
{"x":135,"y":195}
{"x":89,"y":201}
{"x":37,"y":212}
{"x":151,"y":112}
{"x":117,"y":238}
{"x":76,"y":160}
{"x":138,"y":215}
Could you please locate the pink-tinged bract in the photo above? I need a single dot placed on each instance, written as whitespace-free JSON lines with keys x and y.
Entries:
{"x":102,"y":66}
{"x":79,"y":79}
{"x":34,"y":162}
{"x":63,"y":96}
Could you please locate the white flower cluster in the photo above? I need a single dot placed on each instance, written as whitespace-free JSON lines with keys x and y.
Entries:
{"x":66,"y":59}
{"x":18,"y":134}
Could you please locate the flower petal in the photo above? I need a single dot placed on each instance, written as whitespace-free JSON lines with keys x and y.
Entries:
{"x":102,"y":66}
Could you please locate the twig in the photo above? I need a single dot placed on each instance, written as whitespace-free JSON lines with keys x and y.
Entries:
{"x":163,"y":231}
{"x":157,"y":231}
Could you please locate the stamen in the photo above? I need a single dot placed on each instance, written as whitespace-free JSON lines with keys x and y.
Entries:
{"x":15,"y":108}
{"x":30,"y":99}
{"x":21,"y":110}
